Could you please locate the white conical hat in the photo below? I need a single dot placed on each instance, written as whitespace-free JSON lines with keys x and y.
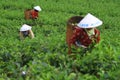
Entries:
{"x":37,"y":8}
{"x":25,"y":27}
{"x":89,"y":21}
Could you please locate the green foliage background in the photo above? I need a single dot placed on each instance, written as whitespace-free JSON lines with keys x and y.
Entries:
{"x":45,"y":57}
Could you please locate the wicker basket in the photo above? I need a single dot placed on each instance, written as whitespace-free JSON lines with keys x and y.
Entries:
{"x":71,"y":23}
{"x":27,"y":13}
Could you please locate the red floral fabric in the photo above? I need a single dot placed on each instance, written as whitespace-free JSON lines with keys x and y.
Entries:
{"x":34,"y":14}
{"x":81,"y":35}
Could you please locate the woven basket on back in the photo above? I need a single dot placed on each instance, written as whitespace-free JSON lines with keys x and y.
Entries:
{"x":27,"y":14}
{"x":71,"y":23}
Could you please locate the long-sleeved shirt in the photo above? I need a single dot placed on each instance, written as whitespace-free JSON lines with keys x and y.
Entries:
{"x":34,"y":14}
{"x":80,"y":35}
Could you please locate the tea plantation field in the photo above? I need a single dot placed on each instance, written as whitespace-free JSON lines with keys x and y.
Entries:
{"x":45,"y":57}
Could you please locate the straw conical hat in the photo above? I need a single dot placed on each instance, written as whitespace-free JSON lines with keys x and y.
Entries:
{"x":37,"y":8}
{"x":89,"y":21}
{"x":25,"y":27}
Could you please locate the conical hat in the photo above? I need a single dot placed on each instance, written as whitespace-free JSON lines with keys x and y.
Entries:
{"x":89,"y":21}
{"x":37,"y":8}
{"x":25,"y":27}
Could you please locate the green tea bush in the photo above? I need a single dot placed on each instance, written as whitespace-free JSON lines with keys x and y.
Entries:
{"x":45,"y":57}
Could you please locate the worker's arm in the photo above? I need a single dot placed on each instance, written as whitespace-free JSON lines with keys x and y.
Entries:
{"x":21,"y":35}
{"x":31,"y":34}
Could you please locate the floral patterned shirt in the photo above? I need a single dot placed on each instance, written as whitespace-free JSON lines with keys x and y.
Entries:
{"x":81,"y":36}
{"x":34,"y":14}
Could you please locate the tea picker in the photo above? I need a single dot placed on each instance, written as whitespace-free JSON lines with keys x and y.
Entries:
{"x":32,"y":13}
{"x":85,"y":33}
{"x":25,"y":31}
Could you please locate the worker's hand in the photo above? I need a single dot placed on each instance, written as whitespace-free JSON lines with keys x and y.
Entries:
{"x":93,"y":38}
